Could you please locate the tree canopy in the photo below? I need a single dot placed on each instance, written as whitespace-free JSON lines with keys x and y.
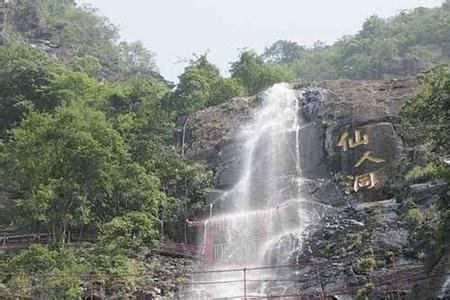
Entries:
{"x":87,"y":122}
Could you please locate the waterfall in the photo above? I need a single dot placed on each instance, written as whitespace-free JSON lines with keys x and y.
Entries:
{"x":268,"y":152}
{"x":267,"y":200}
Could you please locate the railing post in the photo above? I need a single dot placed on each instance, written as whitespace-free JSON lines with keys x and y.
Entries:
{"x":394,"y":269}
{"x":319,"y":278}
{"x":245,"y":283}
{"x":91,"y":286}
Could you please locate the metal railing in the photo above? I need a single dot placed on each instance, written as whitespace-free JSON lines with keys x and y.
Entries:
{"x":310,"y":280}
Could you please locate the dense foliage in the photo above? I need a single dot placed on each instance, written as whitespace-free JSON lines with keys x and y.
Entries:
{"x":26,"y":76}
{"x":427,"y":116}
{"x":411,"y":41}
{"x":85,"y":156}
{"x":81,"y":153}
{"x":86,"y":130}
{"x":255,"y":75}
{"x":429,"y":111}
{"x":65,"y":273}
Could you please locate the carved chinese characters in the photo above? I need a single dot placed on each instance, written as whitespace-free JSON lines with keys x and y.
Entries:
{"x":368,"y":156}
{"x":346,"y":142}
{"x":361,"y":180}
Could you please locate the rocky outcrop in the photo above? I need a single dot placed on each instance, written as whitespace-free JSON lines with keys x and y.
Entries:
{"x":368,"y":109}
{"x":403,"y":66}
{"x":210,"y":131}
{"x":352,"y":159}
{"x":337,"y":107}
{"x":23,"y":19}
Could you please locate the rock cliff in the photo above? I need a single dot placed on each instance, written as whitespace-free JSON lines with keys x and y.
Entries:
{"x":353,"y":156}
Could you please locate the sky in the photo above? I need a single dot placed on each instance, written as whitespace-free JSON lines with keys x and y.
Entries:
{"x":176,"y":29}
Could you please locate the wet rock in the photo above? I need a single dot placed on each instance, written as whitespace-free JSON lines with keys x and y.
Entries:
{"x":228,"y":166}
{"x":356,"y":227}
{"x":313,"y":158}
{"x":337,"y":107}
{"x":211,"y":130}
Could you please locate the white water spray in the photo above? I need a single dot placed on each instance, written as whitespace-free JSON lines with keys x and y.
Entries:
{"x":267,"y":199}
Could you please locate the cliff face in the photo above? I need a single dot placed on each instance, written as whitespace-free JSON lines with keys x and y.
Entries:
{"x":72,"y":34}
{"x":22,"y":18}
{"x":353,"y":153}
{"x":332,"y":115}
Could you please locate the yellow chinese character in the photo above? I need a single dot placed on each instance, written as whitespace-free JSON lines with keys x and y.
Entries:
{"x":346,"y":142}
{"x":361,"y":181}
{"x":367,"y":156}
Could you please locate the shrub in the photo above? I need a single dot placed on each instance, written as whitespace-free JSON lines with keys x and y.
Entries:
{"x":414,"y":218}
{"x":130,"y":231}
{"x":421,"y":174}
{"x":367,"y":263}
{"x":364,"y":292}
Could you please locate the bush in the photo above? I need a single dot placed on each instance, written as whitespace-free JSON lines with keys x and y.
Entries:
{"x":422,"y":174}
{"x":130,"y":231}
{"x":367,"y":263}
{"x":427,"y":112}
{"x":44,"y":273}
{"x":40,"y":271}
{"x":355,"y":241}
{"x":364,"y":292}
{"x":414,"y":218}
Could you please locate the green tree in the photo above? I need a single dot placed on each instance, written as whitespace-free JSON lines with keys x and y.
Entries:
{"x":132,"y":230}
{"x":184,"y":183}
{"x":138,"y":111}
{"x":51,"y":10}
{"x":428,"y":111}
{"x":193,"y":92}
{"x":396,"y":46}
{"x":251,"y":71}
{"x":62,"y":273}
{"x":446,"y":5}
{"x":136,"y":59}
{"x":74,"y":169}
{"x":206,"y":68}
{"x":195,"y":87}
{"x":87,"y":64}
{"x":26,"y":77}
{"x":81,"y":32}
{"x":427,"y":115}
{"x":248,"y":70}
{"x":224,"y":90}
{"x":201,"y":85}
{"x":283,"y":52}
{"x":372,"y":26}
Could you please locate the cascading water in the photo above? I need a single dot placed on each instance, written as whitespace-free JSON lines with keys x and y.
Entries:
{"x":267,"y":200}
